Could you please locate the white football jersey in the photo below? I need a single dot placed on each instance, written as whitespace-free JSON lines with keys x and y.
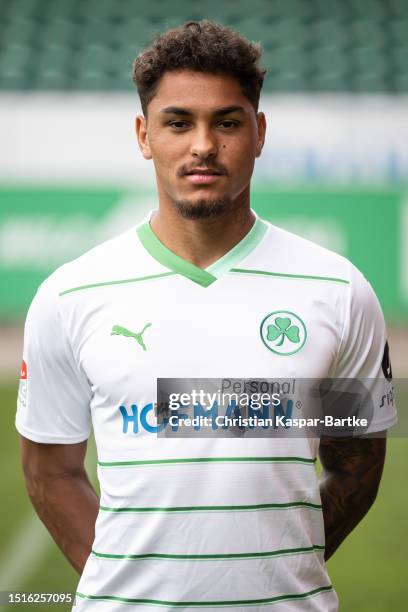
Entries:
{"x":210,"y":523}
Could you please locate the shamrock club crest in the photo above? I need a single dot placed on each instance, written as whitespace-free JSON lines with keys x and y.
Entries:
{"x":283,"y":332}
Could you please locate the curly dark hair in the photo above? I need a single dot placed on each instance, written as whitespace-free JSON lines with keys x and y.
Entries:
{"x":202,"y":46}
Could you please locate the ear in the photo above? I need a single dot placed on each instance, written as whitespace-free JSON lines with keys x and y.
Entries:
{"x":261,"y":121}
{"x":142,"y":137}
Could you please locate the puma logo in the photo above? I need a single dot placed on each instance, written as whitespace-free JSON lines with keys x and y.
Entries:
{"x":118,"y":330}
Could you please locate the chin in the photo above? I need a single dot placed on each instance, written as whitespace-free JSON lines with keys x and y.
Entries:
{"x":203,"y":208}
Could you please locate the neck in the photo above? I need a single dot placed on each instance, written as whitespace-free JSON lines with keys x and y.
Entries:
{"x":203,"y":241}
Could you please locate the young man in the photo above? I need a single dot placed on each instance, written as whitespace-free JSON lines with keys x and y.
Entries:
{"x":201,"y":288}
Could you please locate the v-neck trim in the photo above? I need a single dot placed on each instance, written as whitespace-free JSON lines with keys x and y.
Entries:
{"x":207,"y":276}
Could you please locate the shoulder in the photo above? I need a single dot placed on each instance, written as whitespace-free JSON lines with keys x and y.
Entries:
{"x":119,"y":258}
{"x":289,"y":253}
{"x":286,"y":254}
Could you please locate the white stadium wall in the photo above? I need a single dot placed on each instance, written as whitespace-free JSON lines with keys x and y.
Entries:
{"x":59,"y":138}
{"x":334,"y":169}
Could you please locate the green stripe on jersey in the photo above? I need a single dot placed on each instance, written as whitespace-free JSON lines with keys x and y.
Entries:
{"x":202,"y":277}
{"x":207,"y":604}
{"x":123,"y":281}
{"x":207,"y":460}
{"x":238,"y":508}
{"x":331,"y":279}
{"x":230,"y":556}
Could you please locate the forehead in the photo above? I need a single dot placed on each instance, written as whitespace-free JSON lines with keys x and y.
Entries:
{"x":197,"y":91}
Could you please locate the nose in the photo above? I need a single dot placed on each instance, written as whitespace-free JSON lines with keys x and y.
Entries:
{"x":204,"y":143}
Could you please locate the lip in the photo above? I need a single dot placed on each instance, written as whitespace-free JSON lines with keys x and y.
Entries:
{"x":201,"y":178}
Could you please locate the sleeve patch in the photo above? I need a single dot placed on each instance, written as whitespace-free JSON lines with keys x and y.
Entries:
{"x":386,"y":363}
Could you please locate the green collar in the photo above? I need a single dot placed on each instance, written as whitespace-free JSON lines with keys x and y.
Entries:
{"x":203,"y":277}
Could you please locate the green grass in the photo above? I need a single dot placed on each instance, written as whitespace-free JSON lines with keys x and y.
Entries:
{"x":52,"y":573}
{"x":369,"y":570}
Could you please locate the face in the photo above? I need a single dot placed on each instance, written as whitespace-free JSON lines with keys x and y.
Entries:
{"x":203,"y":136}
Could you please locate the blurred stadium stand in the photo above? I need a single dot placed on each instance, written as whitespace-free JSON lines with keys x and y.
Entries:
{"x":309,"y":45}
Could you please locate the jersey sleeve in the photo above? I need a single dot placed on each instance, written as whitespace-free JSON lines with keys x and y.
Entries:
{"x":364,"y":354}
{"x":54,"y":396}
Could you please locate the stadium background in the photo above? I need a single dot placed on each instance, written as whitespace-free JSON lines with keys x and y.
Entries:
{"x":334,"y":169}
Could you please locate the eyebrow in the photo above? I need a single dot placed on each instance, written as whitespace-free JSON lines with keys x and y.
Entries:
{"x":225,"y":110}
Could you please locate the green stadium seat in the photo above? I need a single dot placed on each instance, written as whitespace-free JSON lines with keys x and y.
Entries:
{"x":399,"y":8}
{"x":370,"y":82}
{"x":400,"y":81}
{"x":370,"y":59}
{"x":286,"y":58}
{"x":159,"y":12}
{"x":16,"y":30}
{"x":398,"y":31}
{"x":399,"y":55}
{"x":316,"y":45}
{"x":371,"y":8}
{"x":51,"y":80}
{"x":23,"y":8}
{"x":97,"y":31}
{"x":92,"y":80}
{"x":367,"y":31}
{"x":101,"y":9}
{"x":281,"y":9}
{"x":322,"y":32}
{"x":15,"y":57}
{"x":122,"y":59}
{"x":136,"y":31}
{"x":251,"y":27}
{"x":59,"y":9}
{"x":328,"y":83}
{"x":286,"y":82}
{"x":122,"y":81}
{"x":61,"y":30}
{"x":330,"y":8}
{"x":53,"y":56}
{"x":283,"y":32}
{"x":11,"y":80}
{"x":96,"y":59}
{"x":13,"y":65}
{"x":328,"y":60}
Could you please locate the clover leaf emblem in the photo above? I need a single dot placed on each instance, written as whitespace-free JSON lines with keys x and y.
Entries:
{"x":283,"y":327}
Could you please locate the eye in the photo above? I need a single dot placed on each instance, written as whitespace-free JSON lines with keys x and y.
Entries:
{"x":178,"y":125}
{"x":228,"y":124}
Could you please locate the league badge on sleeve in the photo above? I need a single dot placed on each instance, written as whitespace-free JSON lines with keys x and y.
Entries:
{"x":22,"y":387}
{"x":386,"y":363}
{"x":23,"y":371}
